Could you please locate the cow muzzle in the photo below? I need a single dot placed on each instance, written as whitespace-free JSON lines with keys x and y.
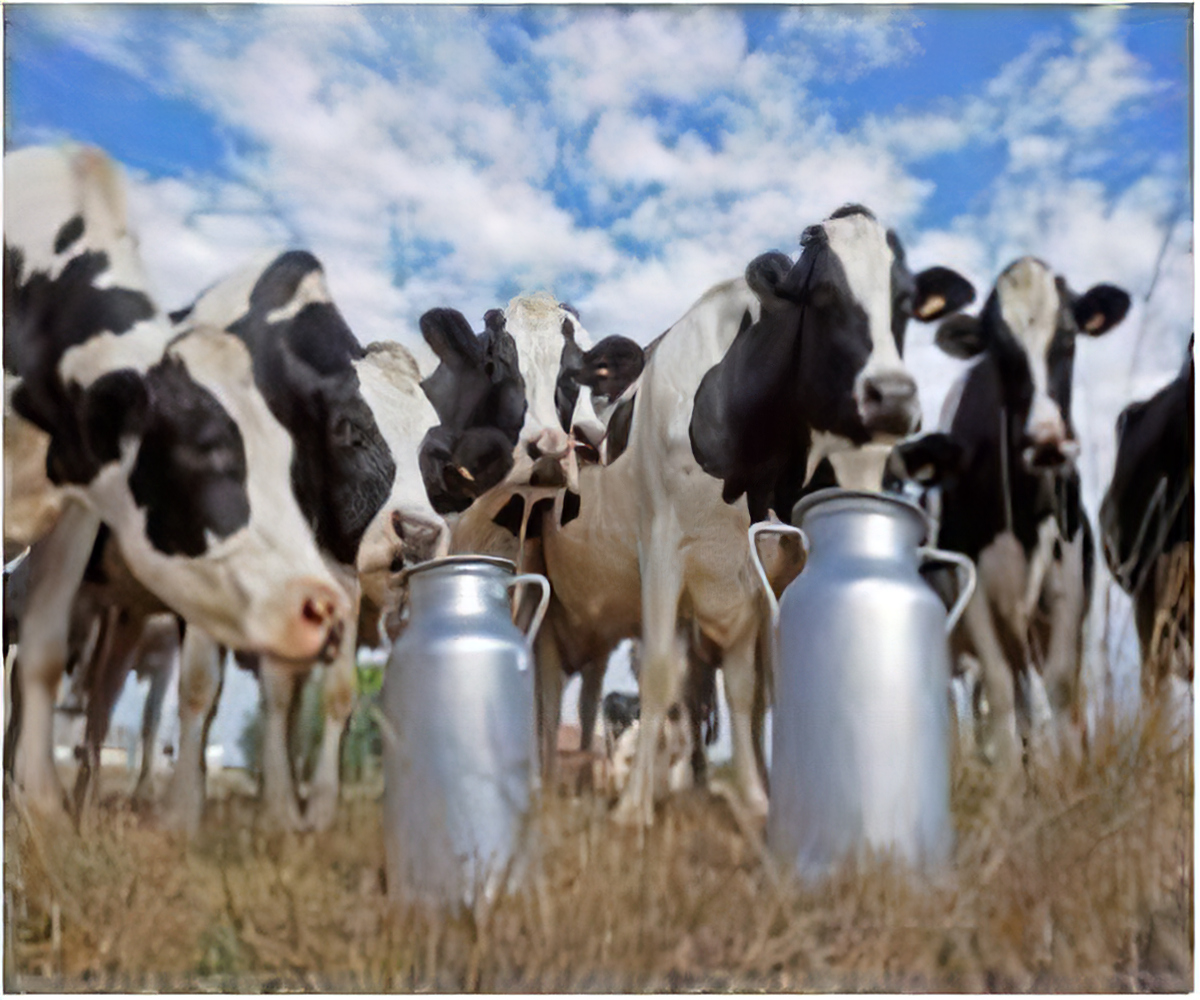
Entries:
{"x":888,"y":404}
{"x":317,"y":622}
{"x":1047,"y":443}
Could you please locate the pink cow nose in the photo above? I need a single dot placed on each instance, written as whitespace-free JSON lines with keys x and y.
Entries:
{"x":318,"y":621}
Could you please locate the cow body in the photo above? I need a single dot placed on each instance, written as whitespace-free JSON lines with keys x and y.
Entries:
{"x":355,"y":416}
{"x":1147,"y":522}
{"x":166,"y":439}
{"x":1014,"y":504}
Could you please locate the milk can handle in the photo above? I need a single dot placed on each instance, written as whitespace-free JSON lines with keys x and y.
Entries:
{"x":966,"y":585}
{"x":770,"y":528}
{"x":540,"y":613}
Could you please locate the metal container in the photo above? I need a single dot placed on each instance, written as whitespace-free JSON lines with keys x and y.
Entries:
{"x":860,"y":752}
{"x":460,"y":759}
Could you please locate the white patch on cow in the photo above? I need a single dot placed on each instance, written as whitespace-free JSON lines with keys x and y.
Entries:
{"x":311,"y":289}
{"x":229,"y":298}
{"x":860,"y":244}
{"x":535,"y":324}
{"x":390,"y":383}
{"x":1029,"y":304}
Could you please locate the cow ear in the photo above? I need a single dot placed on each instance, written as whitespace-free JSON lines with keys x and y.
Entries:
{"x":961,"y":337}
{"x":612,"y":365}
{"x":116,"y":405}
{"x":764,"y":275}
{"x":450,"y":336}
{"x":940,"y":292}
{"x":1100,"y":308}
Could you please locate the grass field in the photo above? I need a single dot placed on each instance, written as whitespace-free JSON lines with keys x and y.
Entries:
{"x":1076,"y":876}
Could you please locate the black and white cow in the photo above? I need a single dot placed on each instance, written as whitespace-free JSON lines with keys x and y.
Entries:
{"x":1147,"y":522}
{"x":356,"y":416}
{"x":655,"y":545}
{"x":1014,"y":504}
{"x":164,"y":438}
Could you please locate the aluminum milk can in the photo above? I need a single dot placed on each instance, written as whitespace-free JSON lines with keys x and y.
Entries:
{"x":460,"y":753}
{"x":860,"y":749}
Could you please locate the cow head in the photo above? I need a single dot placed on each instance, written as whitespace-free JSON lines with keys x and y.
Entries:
{"x":820,"y":371}
{"x":169,"y":440}
{"x":193,"y":479}
{"x":1028,"y":326}
{"x":509,"y":401}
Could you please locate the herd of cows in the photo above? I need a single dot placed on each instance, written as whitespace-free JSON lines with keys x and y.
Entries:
{"x":248,"y":468}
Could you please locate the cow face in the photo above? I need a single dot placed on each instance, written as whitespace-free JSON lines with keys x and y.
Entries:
{"x":820,"y":372}
{"x":515,"y":401}
{"x":194,"y":482}
{"x":166,"y":439}
{"x":1028,"y":326}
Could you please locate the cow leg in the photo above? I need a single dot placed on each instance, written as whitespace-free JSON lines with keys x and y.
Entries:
{"x":57,"y":563}
{"x":589,"y":700}
{"x":1064,"y":586}
{"x":549,"y":684}
{"x":281,"y":685}
{"x":997,"y":731}
{"x":160,"y":680}
{"x":661,"y":677}
{"x":113,"y":660}
{"x":739,"y":667}
{"x":201,"y":672}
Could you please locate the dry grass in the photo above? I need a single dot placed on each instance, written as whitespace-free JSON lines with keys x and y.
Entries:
{"x":1076,"y":877}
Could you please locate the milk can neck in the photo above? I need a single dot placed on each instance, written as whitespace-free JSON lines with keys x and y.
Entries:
{"x":459,"y":589}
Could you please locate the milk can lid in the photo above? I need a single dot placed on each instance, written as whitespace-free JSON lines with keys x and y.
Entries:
{"x":469,"y":559}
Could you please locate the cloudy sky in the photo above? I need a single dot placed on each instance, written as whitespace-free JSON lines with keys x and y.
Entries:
{"x":629,"y":157}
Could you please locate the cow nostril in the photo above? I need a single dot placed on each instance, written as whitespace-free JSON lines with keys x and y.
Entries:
{"x":398,"y":523}
{"x":872,"y":393}
{"x":397,"y":564}
{"x":315,"y":612}
{"x":533,"y":450}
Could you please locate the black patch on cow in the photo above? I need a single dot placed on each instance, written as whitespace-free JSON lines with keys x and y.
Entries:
{"x":190,"y":473}
{"x":68,"y":233}
{"x":510,"y":515}
{"x":852,"y":209}
{"x":570,"y":509}
{"x":179,"y":315}
{"x":94,"y":571}
{"x":43,"y":319}
{"x":342,"y":468}
{"x":620,"y":711}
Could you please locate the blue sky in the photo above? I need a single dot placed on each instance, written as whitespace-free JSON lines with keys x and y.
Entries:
{"x":629,"y":157}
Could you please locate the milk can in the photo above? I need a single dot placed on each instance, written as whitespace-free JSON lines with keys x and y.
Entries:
{"x":460,"y":754}
{"x":860,"y":750}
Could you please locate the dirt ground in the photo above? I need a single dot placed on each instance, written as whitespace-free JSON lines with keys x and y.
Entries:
{"x":1076,"y":876}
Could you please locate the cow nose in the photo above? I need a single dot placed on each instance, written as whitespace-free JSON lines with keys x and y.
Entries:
{"x":888,"y":403}
{"x":318,"y":621}
{"x":1047,"y":443}
{"x":418,"y":538}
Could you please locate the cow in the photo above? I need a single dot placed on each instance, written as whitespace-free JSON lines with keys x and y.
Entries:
{"x":765,"y":380}
{"x":1014,"y":505}
{"x":164,"y":438}
{"x":1147,"y":523}
{"x":356,"y":416}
